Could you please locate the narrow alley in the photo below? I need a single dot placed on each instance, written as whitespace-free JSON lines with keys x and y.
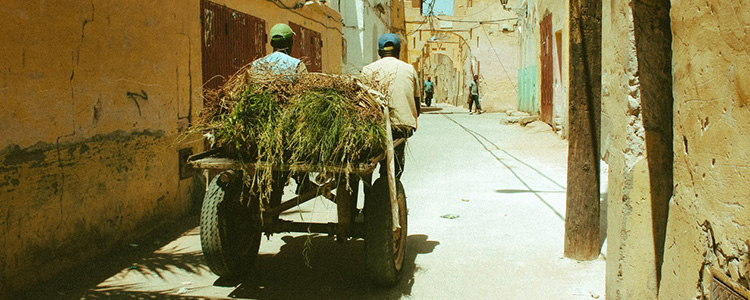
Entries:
{"x":486,"y":203}
{"x":566,"y":149}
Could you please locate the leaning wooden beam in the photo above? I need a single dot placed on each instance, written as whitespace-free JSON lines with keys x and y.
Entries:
{"x":582,"y":204}
{"x":307,"y":196}
{"x":329,"y":228}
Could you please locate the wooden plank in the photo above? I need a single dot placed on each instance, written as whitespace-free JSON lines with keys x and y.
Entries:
{"x":582,"y":203}
{"x":390,"y":156}
{"x":343,"y":207}
{"x":547,"y":83}
{"x":212,"y":160}
{"x":307,"y":196}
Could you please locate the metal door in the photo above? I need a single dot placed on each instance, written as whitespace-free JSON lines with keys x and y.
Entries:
{"x":230,"y":40}
{"x":547,"y":65}
{"x":308,"y":46}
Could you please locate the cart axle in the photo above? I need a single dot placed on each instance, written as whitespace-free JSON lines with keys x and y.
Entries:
{"x":278,"y":226}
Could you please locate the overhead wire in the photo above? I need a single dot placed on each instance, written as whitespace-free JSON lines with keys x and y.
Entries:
{"x":483,"y":10}
{"x":498,"y":57}
{"x":424,"y":20}
{"x":291,"y":9}
{"x":475,"y":21}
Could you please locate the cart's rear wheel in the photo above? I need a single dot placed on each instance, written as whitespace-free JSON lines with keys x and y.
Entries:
{"x":384,"y":247}
{"x":230,"y":230}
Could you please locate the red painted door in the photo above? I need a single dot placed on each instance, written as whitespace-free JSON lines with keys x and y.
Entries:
{"x":308,"y":46}
{"x":547,"y":65}
{"x":229,"y":40}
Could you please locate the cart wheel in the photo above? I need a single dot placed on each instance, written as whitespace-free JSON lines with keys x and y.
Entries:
{"x":384,"y":247}
{"x":230,"y":231}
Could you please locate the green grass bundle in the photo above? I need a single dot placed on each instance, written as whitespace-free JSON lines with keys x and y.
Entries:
{"x":316,"y":120}
{"x":252,"y":118}
{"x":325,"y":128}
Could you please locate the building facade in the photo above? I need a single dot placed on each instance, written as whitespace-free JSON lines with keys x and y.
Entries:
{"x":363,"y":22}
{"x":673,"y":131}
{"x":480,"y":38}
{"x":543,"y":66}
{"x":98,"y":96}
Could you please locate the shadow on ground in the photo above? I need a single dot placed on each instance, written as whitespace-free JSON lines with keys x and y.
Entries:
{"x":516,"y":191}
{"x":431,"y":109}
{"x":336,"y":271}
{"x":123,"y":294}
{"x":138,"y":256}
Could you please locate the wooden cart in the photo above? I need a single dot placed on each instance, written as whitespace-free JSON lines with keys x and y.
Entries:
{"x":231,"y":225}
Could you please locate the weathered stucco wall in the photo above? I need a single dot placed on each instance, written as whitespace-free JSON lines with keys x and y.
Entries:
{"x":96,"y":98}
{"x":362,"y":25}
{"x":630,"y":248}
{"x":94,"y":94}
{"x":498,"y":57}
{"x":709,"y":221}
{"x":706,"y":221}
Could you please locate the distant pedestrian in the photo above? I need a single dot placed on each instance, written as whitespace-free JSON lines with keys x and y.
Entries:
{"x":428,"y":89}
{"x":474,"y":96}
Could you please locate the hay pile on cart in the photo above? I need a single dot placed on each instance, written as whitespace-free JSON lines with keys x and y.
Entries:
{"x":310,"y":122}
{"x":269,"y":130}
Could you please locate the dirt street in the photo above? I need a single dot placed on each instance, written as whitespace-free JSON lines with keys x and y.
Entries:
{"x":486,"y":206}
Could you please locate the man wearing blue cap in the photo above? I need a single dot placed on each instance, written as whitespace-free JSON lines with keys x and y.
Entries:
{"x":401,"y":79}
{"x":279,"y":62}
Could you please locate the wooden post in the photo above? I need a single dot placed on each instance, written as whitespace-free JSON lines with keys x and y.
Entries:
{"x":390,"y":158}
{"x":582,"y":211}
{"x":389,"y":153}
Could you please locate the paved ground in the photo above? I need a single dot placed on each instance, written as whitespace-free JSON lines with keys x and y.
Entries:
{"x":501,"y":185}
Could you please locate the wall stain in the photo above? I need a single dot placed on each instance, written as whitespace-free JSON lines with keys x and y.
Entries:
{"x":135,"y":96}
{"x":92,"y":211}
{"x":14,"y":155}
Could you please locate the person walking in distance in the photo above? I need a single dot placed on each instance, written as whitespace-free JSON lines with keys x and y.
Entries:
{"x":428,"y":90}
{"x":474,"y":96}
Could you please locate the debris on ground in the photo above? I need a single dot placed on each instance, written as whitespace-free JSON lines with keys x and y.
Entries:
{"x":519,"y":117}
{"x":449,"y":216}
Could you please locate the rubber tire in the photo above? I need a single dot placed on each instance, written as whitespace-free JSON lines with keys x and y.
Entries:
{"x":230,"y":230}
{"x":384,"y":263}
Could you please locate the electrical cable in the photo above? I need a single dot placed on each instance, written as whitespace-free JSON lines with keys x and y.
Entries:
{"x":483,"y":10}
{"x":282,"y":5}
{"x":375,"y":10}
{"x":432,"y":4}
{"x":498,"y":57}
{"x":477,"y":137}
{"x":476,"y":21}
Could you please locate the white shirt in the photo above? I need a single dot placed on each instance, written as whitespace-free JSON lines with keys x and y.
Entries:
{"x":401,"y":79}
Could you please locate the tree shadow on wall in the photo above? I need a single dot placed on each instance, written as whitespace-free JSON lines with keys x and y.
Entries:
{"x":337,"y":271}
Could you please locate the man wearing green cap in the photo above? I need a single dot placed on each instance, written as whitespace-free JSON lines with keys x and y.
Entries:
{"x":279,"y":62}
{"x":401,"y":79}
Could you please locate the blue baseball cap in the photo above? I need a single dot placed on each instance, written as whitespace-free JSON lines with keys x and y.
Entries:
{"x":389,"y":38}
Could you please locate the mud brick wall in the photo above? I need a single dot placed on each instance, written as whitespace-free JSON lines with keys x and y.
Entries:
{"x":709,"y":222}
{"x":667,"y":238}
{"x":94,"y":96}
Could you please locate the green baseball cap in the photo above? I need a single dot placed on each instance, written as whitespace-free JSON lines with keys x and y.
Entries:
{"x":280,"y":32}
